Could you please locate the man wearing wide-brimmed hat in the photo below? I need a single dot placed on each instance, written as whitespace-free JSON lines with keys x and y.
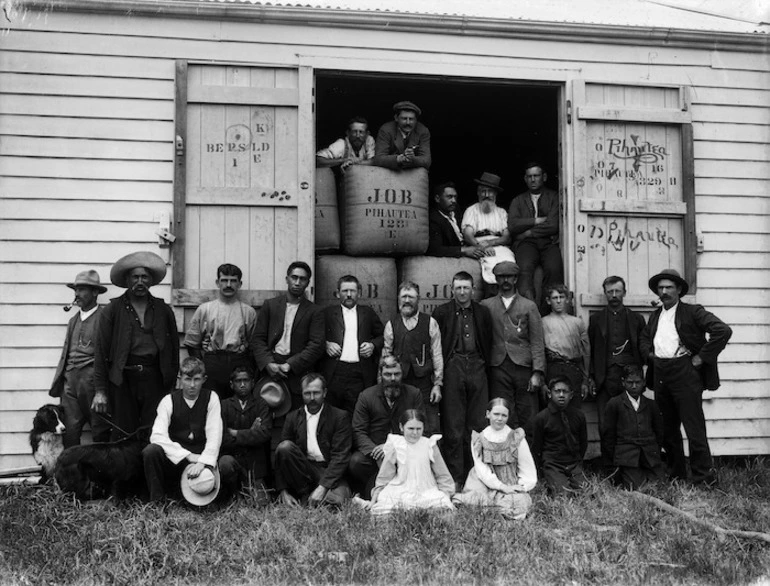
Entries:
{"x":682,"y":362}
{"x":74,"y":378}
{"x":137,"y":350}
{"x":403,"y":143}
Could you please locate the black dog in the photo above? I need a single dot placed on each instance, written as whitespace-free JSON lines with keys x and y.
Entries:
{"x":46,"y":438}
{"x":100,"y":470}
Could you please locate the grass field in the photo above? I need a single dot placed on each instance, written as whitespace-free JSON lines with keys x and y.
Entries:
{"x":603,"y":536}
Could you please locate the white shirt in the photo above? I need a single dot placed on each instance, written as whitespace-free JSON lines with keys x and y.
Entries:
{"x":84,"y":315}
{"x":507,"y":300}
{"x":535,"y":198}
{"x":634,"y":402}
{"x":435,"y":344}
{"x":667,"y":343}
{"x":283,"y":347}
{"x":453,"y":222}
{"x":313,"y":449}
{"x":350,"y":340}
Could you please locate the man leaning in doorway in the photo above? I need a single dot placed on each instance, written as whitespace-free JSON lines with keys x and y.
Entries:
{"x":403,"y":143}
{"x":355,"y":148}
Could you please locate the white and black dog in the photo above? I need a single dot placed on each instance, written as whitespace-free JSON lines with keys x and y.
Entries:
{"x":46,"y":438}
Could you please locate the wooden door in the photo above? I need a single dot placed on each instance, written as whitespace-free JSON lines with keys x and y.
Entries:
{"x":244,"y":178}
{"x":633,"y":189}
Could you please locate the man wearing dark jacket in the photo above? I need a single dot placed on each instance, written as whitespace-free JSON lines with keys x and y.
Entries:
{"x":445,"y":237}
{"x":682,"y":362}
{"x":403,"y":143}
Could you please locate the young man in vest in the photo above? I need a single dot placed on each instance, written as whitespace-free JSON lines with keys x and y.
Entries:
{"x":186,"y":435}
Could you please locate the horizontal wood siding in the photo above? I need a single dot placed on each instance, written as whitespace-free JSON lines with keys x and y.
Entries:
{"x":86,"y":168}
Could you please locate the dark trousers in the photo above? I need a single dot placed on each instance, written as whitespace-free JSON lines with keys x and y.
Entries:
{"x":161,"y":475}
{"x":563,"y":477}
{"x":299,"y":475}
{"x":219,"y":367}
{"x":76,"y":401}
{"x":134,"y":403}
{"x":237,"y":470}
{"x":635,"y":477}
{"x":610,"y":387}
{"x":533,"y":252}
{"x":432,"y":417}
{"x":679,"y":392}
{"x":463,"y":407}
{"x":510,"y":381}
{"x":346,"y":384}
{"x":363,"y":470}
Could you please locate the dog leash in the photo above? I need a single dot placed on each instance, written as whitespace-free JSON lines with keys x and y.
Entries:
{"x":126,"y":435}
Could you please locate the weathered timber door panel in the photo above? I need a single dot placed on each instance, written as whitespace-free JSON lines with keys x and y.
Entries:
{"x":633,"y":188}
{"x":247,"y":141}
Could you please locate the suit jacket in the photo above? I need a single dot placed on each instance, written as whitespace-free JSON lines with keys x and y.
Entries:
{"x":521,"y":216}
{"x":370,"y":329}
{"x":447,"y":322}
{"x":307,"y":334}
{"x":627,"y":434}
{"x":692,"y":323}
{"x":442,"y":240}
{"x":598,"y":337}
{"x":335,"y":439}
{"x":525,"y":347}
{"x":390,"y":143}
{"x":373,"y":419}
{"x":57,"y":386}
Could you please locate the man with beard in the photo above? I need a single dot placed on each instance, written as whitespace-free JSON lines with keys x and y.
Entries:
{"x":613,"y":333}
{"x":314,"y":453}
{"x":355,"y":148}
{"x":517,"y":358}
{"x":680,"y":344}
{"x":403,"y":143}
{"x":533,"y":221}
{"x":378,"y":411}
{"x":353,"y":343}
{"x":220,"y":331}
{"x":445,"y":238}
{"x":415,"y":340}
{"x":136,"y":358}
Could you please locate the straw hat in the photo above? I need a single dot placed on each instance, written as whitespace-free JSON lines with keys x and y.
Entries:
{"x":202,"y":489}
{"x":155,"y":265}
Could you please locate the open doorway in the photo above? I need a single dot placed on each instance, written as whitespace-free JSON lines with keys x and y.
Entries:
{"x":476,"y":125}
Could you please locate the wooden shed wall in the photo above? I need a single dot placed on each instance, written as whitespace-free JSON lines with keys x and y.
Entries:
{"x":86,"y":167}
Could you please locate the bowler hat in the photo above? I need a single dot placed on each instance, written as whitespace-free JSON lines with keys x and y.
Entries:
{"x":406,"y":105}
{"x":671,"y":275}
{"x":490,"y":180}
{"x":275,"y":393}
{"x":89,"y":278}
{"x":202,"y":489}
{"x":505,"y":268}
{"x":155,"y":265}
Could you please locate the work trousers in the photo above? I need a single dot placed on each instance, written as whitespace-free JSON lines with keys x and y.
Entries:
{"x":463,"y":407}
{"x":295,"y":472}
{"x":134,"y":403}
{"x":238,"y":470}
{"x":363,"y":470}
{"x":635,"y":477}
{"x":219,"y":367}
{"x":563,"y":477}
{"x":530,"y":254}
{"x":510,"y":381}
{"x":76,"y":400}
{"x":432,"y":416}
{"x":161,"y":475}
{"x":679,"y":394}
{"x":346,"y":384}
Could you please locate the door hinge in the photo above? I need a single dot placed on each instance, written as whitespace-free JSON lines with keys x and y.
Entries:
{"x":179,"y":143}
{"x":569,"y":111}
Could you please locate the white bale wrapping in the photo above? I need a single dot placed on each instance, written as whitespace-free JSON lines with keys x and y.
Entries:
{"x":434,"y":274}
{"x":385,"y":211}
{"x":376,"y":275}
{"x":327,"y":216}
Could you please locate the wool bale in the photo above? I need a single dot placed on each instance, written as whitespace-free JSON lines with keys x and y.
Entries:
{"x":434,"y":274}
{"x":376,"y":275}
{"x":327,"y":217}
{"x":385,"y":211}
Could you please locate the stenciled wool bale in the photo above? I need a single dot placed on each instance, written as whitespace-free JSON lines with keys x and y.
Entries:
{"x":376,"y":275}
{"x":327,"y":217}
{"x":434,"y":274}
{"x":384,"y":211}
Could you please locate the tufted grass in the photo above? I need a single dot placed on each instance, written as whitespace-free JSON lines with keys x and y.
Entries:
{"x":599,"y":537}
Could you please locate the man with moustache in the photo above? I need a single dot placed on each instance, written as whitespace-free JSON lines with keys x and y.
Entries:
{"x":136,"y":358}
{"x":74,"y":378}
{"x":415,"y":340}
{"x":314,"y":453}
{"x":533,"y":221}
{"x":466,"y":330}
{"x":680,"y":344}
{"x":353,"y":344}
{"x":613,"y":333}
{"x":377,"y":414}
{"x":517,"y":357}
{"x":403,"y":143}
{"x":355,"y":148}
{"x":220,"y":331}
{"x":445,"y":237}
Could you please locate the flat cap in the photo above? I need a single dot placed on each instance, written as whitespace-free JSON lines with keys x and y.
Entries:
{"x":505,"y":268}
{"x":406,"y":105}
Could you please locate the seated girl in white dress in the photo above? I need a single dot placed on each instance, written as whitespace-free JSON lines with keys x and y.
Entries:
{"x":504,"y":470}
{"x":413,"y":474}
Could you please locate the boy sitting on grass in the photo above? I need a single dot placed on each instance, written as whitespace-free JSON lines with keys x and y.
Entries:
{"x":186,"y":435}
{"x":560,"y":439}
{"x":247,"y":426}
{"x":632,"y":432}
